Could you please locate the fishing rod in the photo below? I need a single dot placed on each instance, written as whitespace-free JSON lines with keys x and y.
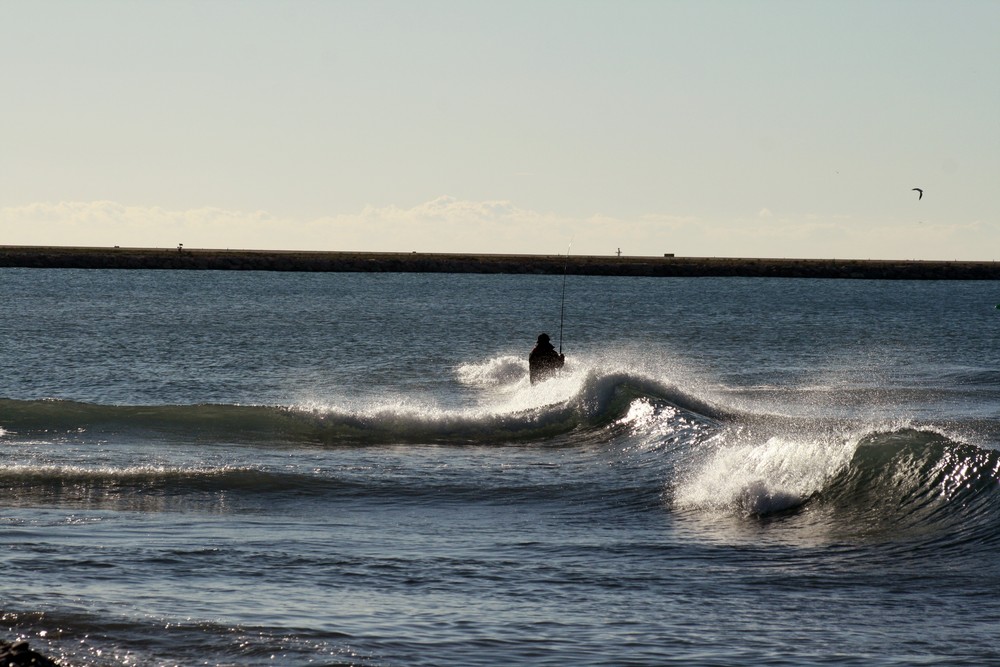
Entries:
{"x":562,"y":307}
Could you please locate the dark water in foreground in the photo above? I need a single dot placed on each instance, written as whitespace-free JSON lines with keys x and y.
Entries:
{"x":201,"y":468}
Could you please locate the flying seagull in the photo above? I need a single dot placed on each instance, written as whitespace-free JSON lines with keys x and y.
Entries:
{"x":921,"y":195}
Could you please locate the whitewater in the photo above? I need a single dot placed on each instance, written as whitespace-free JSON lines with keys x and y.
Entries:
{"x":255,"y":468}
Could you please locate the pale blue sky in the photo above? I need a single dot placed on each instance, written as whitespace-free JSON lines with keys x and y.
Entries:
{"x":772,"y":129}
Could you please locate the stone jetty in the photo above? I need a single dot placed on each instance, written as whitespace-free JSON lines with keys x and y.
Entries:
{"x":597,"y":265}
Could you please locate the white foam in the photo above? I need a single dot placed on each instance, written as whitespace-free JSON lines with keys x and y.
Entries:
{"x":763,"y":478}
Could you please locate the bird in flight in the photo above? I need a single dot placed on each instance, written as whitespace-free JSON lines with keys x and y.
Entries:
{"x":921,"y":195}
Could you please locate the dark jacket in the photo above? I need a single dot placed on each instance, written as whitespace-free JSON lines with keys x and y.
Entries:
{"x":544,"y":361}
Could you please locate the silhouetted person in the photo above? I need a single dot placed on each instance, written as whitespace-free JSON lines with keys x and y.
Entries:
{"x":544,"y":361}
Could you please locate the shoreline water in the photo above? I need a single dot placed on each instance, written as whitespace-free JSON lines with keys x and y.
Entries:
{"x":65,"y":257}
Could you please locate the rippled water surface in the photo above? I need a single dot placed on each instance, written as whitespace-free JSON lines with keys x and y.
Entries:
{"x":252,"y":468}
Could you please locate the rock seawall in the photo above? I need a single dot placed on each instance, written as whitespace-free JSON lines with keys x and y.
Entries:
{"x":262,"y":260}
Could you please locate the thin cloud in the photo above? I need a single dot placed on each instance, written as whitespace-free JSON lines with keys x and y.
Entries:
{"x":450,"y":224}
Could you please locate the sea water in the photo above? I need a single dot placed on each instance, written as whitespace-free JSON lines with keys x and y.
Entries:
{"x":251,"y":468}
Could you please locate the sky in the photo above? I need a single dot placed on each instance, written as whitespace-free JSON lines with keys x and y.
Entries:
{"x":705,"y":128}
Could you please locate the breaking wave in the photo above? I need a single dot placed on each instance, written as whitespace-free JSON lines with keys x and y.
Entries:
{"x":580,"y":401}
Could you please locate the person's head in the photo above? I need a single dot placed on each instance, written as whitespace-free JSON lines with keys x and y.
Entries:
{"x":543,"y":338}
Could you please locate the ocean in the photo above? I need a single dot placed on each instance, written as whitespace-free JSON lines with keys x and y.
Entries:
{"x":253,"y":468}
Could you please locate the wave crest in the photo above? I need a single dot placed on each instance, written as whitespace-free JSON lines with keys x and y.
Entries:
{"x":869,"y":482}
{"x":582,"y":399}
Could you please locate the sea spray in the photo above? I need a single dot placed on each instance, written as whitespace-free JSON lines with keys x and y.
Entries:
{"x":503,"y":371}
{"x":763,"y":478}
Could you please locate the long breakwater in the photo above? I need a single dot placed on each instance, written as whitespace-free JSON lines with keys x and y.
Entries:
{"x":330,"y":261}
